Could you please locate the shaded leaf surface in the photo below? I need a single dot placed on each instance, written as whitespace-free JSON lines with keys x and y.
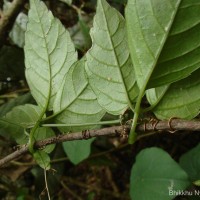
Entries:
{"x":20,"y":118}
{"x":155,"y":173}
{"x":190,"y":162}
{"x":5,"y":108}
{"x":78,"y":150}
{"x":42,"y":159}
{"x":181,"y":100}
{"x":49,"y":59}
{"x":109,"y":67}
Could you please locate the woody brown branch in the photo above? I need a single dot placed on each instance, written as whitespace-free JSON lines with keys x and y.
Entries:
{"x":8,"y":17}
{"x":144,"y":128}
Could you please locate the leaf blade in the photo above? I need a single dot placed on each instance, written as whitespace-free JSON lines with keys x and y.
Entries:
{"x":161,"y":176}
{"x":147,"y":33}
{"x":181,"y":100}
{"x":16,"y":125}
{"x":161,"y":57}
{"x":78,"y":150}
{"x":48,"y":59}
{"x":76,"y":100}
{"x":109,"y":67}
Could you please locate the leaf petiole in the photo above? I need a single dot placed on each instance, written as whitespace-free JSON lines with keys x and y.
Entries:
{"x":84,"y":124}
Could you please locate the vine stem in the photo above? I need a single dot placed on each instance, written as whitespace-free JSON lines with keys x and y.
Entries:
{"x":133,"y":134}
{"x":85,"y":124}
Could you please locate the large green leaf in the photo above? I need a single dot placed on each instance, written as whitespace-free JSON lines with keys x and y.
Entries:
{"x":155,"y":175}
{"x":109,"y":67}
{"x":18,"y":119}
{"x":76,"y":100}
{"x":78,"y":150}
{"x":181,"y":100}
{"x":49,"y":53}
{"x":164,"y":40}
{"x":190,"y":162}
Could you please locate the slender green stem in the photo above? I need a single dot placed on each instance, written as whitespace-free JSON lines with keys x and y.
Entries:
{"x":84,"y":124}
{"x":31,"y":137}
{"x":133,"y":134}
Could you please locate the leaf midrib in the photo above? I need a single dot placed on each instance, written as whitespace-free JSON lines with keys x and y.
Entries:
{"x":48,"y":61}
{"x":116,"y":58}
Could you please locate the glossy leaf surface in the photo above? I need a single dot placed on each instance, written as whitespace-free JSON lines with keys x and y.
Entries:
{"x":109,"y":67}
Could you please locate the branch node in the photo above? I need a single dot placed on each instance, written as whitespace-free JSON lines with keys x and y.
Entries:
{"x":172,"y":130}
{"x":86,"y":134}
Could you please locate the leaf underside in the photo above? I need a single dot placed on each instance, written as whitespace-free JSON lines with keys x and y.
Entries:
{"x":76,"y":100}
{"x":49,"y":53}
{"x":109,"y":67}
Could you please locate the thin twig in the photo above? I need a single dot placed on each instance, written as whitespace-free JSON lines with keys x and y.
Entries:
{"x":46,"y":184}
{"x":176,"y":124}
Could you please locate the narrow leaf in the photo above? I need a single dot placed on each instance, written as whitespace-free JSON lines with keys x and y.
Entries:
{"x":190,"y":162}
{"x":181,"y":100}
{"x":42,"y":159}
{"x":49,"y":53}
{"x":78,"y":150}
{"x":76,"y":100}
{"x":155,"y":175}
{"x":109,"y":67}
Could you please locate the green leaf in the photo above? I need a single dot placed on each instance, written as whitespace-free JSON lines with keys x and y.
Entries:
{"x":44,"y":133}
{"x":42,"y":159}
{"x":49,"y":53}
{"x":77,"y":150}
{"x":18,"y":119}
{"x":76,"y":100}
{"x":181,"y":100}
{"x":163,"y":39}
{"x":109,"y":67}
{"x":157,"y":175}
{"x":5,"y":108}
{"x":190,"y":162}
